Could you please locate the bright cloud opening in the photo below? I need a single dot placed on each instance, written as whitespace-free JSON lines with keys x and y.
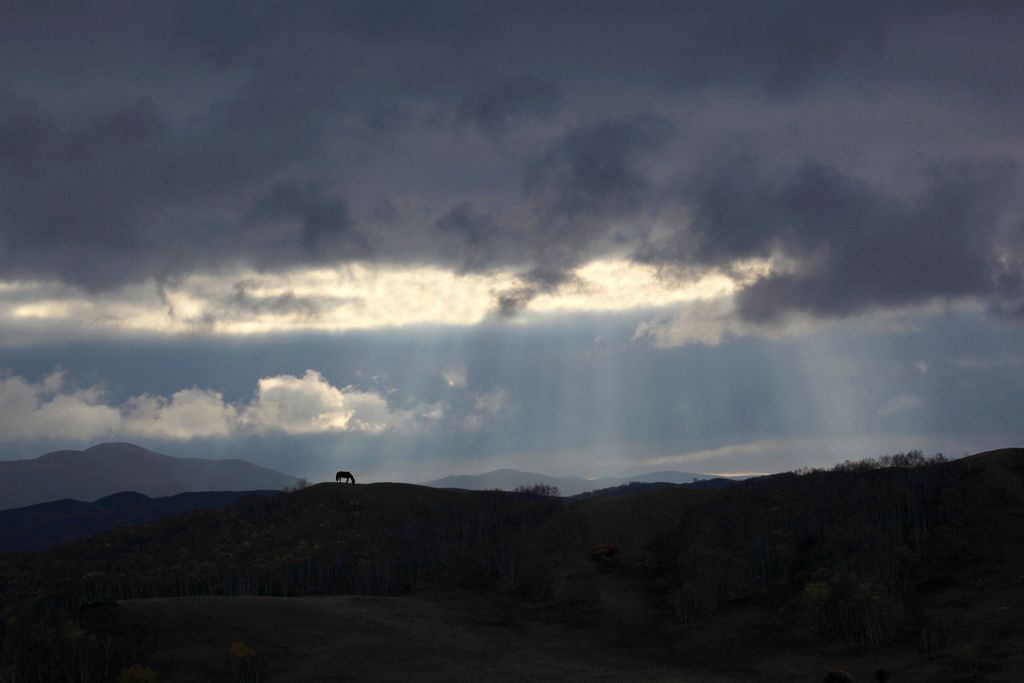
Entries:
{"x":352,"y":297}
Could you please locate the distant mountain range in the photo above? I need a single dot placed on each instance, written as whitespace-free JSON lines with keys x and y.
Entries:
{"x":508,"y":479}
{"x":44,"y":525}
{"x":110,"y":468}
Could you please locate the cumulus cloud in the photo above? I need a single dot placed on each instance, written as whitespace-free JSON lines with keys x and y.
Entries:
{"x":187,"y":414}
{"x":310,"y":404}
{"x":48,"y":408}
{"x":52,"y":409}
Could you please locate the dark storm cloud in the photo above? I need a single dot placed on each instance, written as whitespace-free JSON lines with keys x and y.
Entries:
{"x":129,"y":194}
{"x":145,"y":140}
{"x":481,"y":237}
{"x":595,"y":170}
{"x":855,"y":246}
{"x":590,"y":187}
{"x":585,"y":181}
{"x":508,"y":101}
{"x":780,"y":47}
{"x":323,"y":217}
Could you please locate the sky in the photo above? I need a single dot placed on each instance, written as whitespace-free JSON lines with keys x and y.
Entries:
{"x":413,"y":239}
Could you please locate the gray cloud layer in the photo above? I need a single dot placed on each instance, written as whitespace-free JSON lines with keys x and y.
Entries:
{"x":142,"y":141}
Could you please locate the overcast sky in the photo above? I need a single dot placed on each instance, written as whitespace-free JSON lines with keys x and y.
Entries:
{"x":413,"y":239}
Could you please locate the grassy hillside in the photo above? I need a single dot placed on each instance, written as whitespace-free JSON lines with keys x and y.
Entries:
{"x":915,"y":571}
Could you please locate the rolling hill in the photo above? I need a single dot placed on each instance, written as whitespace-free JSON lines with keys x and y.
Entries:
{"x":894,"y":573}
{"x":110,"y":468}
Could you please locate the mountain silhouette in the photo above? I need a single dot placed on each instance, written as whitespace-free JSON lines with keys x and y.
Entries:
{"x":109,"y":468}
{"x":41,"y":526}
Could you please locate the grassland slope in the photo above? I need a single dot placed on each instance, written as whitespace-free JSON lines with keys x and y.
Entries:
{"x":912,"y":570}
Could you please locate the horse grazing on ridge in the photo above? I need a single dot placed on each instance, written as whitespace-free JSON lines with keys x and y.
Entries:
{"x":347,"y":476}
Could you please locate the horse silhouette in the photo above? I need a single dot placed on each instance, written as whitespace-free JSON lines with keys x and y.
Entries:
{"x":347,"y":476}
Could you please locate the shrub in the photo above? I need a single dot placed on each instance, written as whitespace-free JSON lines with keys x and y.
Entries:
{"x":243,"y":663}
{"x":914,"y":458}
{"x":837,"y":676}
{"x":580,"y":590}
{"x":241,"y":651}
{"x":138,"y":674}
{"x":535,"y":584}
{"x":539,"y":490}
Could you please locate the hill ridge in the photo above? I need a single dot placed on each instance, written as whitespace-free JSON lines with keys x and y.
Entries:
{"x":108,"y":468}
{"x":43,"y":525}
{"x":509,"y":478}
{"x":907,"y":565}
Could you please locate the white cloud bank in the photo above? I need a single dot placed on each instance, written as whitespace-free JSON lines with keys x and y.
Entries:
{"x":51,"y":409}
{"x":350,"y":297}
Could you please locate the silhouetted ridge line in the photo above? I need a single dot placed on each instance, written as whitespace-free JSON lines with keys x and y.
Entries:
{"x":44,"y":525}
{"x":109,"y":468}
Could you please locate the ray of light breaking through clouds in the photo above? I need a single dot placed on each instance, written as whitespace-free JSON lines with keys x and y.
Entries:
{"x":439,"y":236}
